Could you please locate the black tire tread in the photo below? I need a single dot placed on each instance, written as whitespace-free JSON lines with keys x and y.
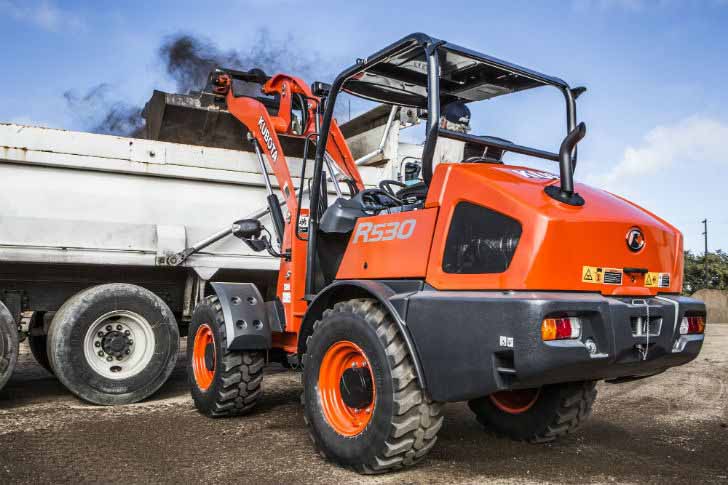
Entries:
{"x":39,"y":348}
{"x":417,"y":419}
{"x":241,"y":374}
{"x":574,"y":409}
{"x":64,"y":317}
{"x":9,"y":333}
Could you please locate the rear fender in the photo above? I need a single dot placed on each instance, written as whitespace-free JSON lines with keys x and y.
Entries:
{"x":349,"y":289}
{"x":246,"y":320}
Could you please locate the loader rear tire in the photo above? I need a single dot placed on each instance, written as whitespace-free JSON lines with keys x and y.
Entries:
{"x":536,"y":415}
{"x":380,"y":421}
{"x":223,"y":382}
{"x":113,"y":344}
{"x":8,"y":345}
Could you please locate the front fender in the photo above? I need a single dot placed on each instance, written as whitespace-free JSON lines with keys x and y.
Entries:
{"x":246,"y":320}
{"x":349,"y":289}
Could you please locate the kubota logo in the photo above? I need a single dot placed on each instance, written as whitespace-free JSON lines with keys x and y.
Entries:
{"x":268,"y":139}
{"x":386,"y":231}
{"x":635,"y":239}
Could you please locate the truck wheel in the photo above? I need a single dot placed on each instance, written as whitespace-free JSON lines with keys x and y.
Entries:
{"x":8,"y":345}
{"x":363,"y":404}
{"x":537,"y":415}
{"x":39,"y":348}
{"x":224,"y":382}
{"x":113,"y":344}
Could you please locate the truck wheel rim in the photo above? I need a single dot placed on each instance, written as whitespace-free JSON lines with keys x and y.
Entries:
{"x":342,"y":357}
{"x":204,"y":343}
{"x":517,"y":401}
{"x":119,"y":344}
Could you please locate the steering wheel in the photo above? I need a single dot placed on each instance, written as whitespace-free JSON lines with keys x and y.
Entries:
{"x":386,"y":186}
{"x":375,"y":200}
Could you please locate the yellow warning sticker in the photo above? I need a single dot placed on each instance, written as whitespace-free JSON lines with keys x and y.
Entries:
{"x":601,"y":276}
{"x":589,"y":274}
{"x":657,"y":280}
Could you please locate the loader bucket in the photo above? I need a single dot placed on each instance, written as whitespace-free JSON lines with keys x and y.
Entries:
{"x":193,"y":119}
{"x":201,"y":119}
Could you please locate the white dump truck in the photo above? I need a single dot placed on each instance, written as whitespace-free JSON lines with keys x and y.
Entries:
{"x":93,"y":233}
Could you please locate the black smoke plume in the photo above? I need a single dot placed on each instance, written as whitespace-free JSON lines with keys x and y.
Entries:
{"x":187,"y":60}
{"x":103,"y":114}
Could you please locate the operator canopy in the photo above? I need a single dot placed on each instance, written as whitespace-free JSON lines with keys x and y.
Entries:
{"x":465,"y":75}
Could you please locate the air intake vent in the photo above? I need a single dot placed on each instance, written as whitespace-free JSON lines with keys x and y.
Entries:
{"x":480,"y":241}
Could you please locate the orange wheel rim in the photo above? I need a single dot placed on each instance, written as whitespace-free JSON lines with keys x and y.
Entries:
{"x":346,"y":420}
{"x":515,"y":402}
{"x":202,"y":372}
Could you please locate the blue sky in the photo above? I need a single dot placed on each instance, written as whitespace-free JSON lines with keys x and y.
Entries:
{"x":657,"y":73}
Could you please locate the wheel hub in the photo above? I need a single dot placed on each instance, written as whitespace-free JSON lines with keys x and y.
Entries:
{"x":119,"y":344}
{"x":210,"y":356}
{"x":356,"y":387}
{"x":346,"y":388}
{"x":116,"y":343}
{"x":203,"y":357}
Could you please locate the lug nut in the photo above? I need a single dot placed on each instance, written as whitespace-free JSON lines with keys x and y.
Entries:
{"x":119,"y":358}
{"x":109,"y":328}
{"x":130,"y":342}
{"x":101,"y":353}
{"x":127,"y":332}
{"x":100,"y":334}
{"x":109,"y":359}
{"x":127,"y":352}
{"x":97,"y":344}
{"x":118,"y":327}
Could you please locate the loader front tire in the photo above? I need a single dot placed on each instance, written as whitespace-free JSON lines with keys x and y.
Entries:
{"x":363,"y":404}
{"x":536,"y":415}
{"x":224,"y":382}
{"x":8,"y":345}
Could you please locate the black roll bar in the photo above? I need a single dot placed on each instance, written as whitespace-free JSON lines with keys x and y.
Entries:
{"x":566,"y":157}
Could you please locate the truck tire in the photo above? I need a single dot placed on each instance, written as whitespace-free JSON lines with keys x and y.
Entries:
{"x":537,"y":415}
{"x":223,"y":382}
{"x":39,"y":348}
{"x":8,"y":345}
{"x":363,"y":405}
{"x":113,"y":344}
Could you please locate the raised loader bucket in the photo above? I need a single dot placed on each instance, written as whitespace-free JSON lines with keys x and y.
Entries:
{"x":193,"y":119}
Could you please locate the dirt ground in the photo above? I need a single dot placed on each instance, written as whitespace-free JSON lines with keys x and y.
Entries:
{"x":672,"y":428}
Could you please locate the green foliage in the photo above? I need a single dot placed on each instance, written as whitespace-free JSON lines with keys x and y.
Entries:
{"x":695,"y":272}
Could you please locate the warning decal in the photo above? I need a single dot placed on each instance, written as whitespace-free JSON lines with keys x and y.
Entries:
{"x":604,"y":276}
{"x":657,"y":280}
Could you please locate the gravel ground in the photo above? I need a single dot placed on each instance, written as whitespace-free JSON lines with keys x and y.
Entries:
{"x":672,"y":428}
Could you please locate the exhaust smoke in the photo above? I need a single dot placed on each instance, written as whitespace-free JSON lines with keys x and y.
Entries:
{"x":187,"y":61}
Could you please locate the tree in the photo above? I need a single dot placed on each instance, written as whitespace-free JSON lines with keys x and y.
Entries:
{"x":695,"y":271}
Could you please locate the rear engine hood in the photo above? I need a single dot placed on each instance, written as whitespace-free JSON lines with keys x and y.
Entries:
{"x":584,"y":248}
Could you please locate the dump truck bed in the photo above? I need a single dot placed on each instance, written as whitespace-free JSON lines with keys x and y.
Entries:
{"x":74,"y":197}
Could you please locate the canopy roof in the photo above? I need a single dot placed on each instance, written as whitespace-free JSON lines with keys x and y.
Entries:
{"x":400,"y":76}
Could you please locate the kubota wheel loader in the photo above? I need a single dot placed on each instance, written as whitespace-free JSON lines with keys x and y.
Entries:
{"x":508,"y":287}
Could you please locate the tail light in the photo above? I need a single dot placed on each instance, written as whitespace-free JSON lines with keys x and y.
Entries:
{"x":560,"y":328}
{"x":691,"y":325}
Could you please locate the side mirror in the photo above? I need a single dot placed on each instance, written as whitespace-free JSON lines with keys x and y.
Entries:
{"x":320,"y":89}
{"x":247,"y":229}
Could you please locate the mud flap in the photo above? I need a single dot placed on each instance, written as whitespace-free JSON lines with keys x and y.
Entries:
{"x":247,"y":326}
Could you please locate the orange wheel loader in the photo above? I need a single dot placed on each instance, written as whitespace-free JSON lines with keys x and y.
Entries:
{"x":508,"y":287}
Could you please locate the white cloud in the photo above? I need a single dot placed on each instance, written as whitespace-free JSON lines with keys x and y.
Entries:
{"x":43,"y":14}
{"x":694,"y":140}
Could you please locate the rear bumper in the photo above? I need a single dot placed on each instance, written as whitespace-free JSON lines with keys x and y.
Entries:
{"x":471,"y":344}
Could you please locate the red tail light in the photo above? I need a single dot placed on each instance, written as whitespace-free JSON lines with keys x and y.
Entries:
{"x":560,"y":328}
{"x":692,"y":325}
